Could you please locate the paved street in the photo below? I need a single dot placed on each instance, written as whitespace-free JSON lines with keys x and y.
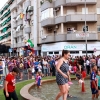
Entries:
{"x":25,"y":77}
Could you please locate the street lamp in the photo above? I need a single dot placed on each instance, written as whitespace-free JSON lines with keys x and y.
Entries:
{"x":85,"y":30}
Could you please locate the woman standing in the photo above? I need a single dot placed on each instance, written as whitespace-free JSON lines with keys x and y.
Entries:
{"x":62,"y":75}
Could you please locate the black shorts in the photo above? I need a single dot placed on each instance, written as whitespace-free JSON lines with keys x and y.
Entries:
{"x":12,"y":95}
{"x":78,"y":76}
{"x":98,"y":87}
{"x":94,"y":91}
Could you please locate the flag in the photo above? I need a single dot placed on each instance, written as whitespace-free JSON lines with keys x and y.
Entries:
{"x":21,"y":15}
{"x":30,"y":43}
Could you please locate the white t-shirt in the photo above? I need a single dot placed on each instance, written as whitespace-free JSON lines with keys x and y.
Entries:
{"x":99,"y":62}
{"x":70,"y":68}
{"x":87,"y":62}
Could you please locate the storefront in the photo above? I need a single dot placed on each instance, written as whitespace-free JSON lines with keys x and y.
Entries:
{"x":75,"y":48}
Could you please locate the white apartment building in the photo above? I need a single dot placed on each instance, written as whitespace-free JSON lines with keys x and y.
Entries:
{"x":63,"y":22}
{"x":25,"y":24}
{"x":5,"y":24}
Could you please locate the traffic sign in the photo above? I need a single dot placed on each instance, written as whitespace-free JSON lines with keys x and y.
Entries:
{"x":10,"y":50}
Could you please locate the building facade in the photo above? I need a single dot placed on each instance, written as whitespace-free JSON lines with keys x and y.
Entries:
{"x":5,"y":24}
{"x":25,"y":24}
{"x":63,"y":26}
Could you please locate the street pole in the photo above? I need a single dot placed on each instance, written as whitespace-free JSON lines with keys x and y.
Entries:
{"x":85,"y":30}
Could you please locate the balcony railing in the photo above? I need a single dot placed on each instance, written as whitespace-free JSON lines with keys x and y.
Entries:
{"x":69,"y":36}
{"x":13,"y":6}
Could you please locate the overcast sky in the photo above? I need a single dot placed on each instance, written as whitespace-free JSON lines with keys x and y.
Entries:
{"x":2,"y":3}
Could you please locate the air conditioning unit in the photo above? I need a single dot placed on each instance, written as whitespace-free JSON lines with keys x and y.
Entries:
{"x":49,"y":28}
{"x":56,"y":26}
{"x":43,"y":37}
{"x":31,"y":13}
{"x":57,"y":9}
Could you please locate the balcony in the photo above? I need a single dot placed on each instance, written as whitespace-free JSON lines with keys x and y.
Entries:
{"x":19,"y":22}
{"x":14,"y":35}
{"x":18,"y":45}
{"x":27,"y":17}
{"x":20,"y":2}
{"x":14,"y":25}
{"x":73,"y":2}
{"x":14,"y":15}
{"x":13,"y":6}
{"x":20,"y":11}
{"x":27,"y":3}
{"x":28,"y":30}
{"x":47,"y":22}
{"x":54,"y":38}
{"x":81,"y":36}
{"x":23,"y":44}
{"x":60,"y":19}
{"x":81,"y":17}
{"x":14,"y":45}
{"x":47,"y":5}
{"x":59,"y":3}
{"x":19,"y":33}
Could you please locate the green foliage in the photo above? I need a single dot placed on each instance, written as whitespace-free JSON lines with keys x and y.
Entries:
{"x":41,"y":2}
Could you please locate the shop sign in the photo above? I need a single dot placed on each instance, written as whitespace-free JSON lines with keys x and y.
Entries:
{"x":80,"y":35}
{"x":70,"y":47}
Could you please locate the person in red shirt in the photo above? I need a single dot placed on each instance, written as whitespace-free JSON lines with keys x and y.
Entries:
{"x":9,"y":85}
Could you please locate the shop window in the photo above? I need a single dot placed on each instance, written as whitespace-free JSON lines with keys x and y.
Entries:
{"x":88,"y":51}
{"x":74,"y":52}
{"x":56,"y":52}
{"x":50,"y":52}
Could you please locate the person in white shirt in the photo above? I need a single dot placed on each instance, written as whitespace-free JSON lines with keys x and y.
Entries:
{"x":98,"y":62}
{"x":88,"y":66}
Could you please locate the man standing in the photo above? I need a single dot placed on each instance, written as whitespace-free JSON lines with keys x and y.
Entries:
{"x":9,"y":85}
{"x":98,"y":62}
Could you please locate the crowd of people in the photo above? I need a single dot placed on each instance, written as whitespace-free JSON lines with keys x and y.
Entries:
{"x":61,"y":66}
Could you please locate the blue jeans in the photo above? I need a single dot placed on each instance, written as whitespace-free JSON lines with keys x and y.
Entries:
{"x":45,"y":71}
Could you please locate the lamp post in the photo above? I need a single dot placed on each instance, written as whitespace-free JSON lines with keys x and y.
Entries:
{"x":85,"y":30}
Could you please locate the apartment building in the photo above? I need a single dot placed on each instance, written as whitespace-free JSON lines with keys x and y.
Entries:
{"x":5,"y":24}
{"x":25,"y":24}
{"x":63,"y":24}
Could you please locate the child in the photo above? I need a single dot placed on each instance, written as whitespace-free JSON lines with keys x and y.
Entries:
{"x":39,"y":68}
{"x":98,"y":80}
{"x":94,"y":87}
{"x":1,"y":73}
{"x":38,"y":79}
{"x":83,"y":73}
{"x":33,"y":72}
{"x":70,"y":69}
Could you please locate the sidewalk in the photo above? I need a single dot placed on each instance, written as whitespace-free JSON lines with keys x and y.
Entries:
{"x":25,"y":77}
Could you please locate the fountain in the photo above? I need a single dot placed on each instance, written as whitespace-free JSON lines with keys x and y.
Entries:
{"x":49,"y":91}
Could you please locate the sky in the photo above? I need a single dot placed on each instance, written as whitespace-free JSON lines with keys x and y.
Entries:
{"x":2,"y":3}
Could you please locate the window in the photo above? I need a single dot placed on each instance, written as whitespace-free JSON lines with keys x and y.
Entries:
{"x":18,"y":29}
{"x":74,"y":52}
{"x":70,"y":12}
{"x":98,"y":28}
{"x":15,"y":40}
{"x":47,"y":13}
{"x":18,"y":17}
{"x":83,"y":10}
{"x":50,"y":52}
{"x":56,"y":52}
{"x":84,"y":28}
{"x":98,"y":10}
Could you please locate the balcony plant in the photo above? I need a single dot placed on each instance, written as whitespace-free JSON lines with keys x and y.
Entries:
{"x":41,"y":2}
